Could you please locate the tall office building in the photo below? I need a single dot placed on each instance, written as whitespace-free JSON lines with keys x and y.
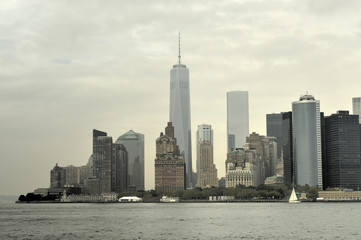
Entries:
{"x":356,"y":107}
{"x":72,"y":175}
{"x":169,"y":163}
{"x":287,"y":149}
{"x":57,"y":177}
{"x":207,"y":174}
{"x":120,"y":177}
{"x":179,"y":113}
{"x":307,"y":141}
{"x":110,"y":165}
{"x":274,"y":129}
{"x":342,"y":138}
{"x":102,"y":160}
{"x":237,"y":119}
{"x":204,"y":133}
{"x":134,"y":144}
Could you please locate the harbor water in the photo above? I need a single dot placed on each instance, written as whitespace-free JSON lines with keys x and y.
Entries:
{"x":180,"y":221}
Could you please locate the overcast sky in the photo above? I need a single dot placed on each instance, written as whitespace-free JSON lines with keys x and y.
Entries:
{"x":68,"y":67}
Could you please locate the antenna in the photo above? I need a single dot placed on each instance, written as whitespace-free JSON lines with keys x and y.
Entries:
{"x":179,"y":55}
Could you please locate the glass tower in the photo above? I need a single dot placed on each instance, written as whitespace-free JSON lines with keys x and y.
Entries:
{"x":307,"y":149}
{"x":237,"y":119}
{"x":180,"y":113}
{"x":343,"y":165}
{"x":274,"y":129}
{"x":134,"y":144}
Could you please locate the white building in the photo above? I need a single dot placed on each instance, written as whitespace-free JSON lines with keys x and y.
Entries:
{"x":307,"y":141}
{"x":237,"y":119}
{"x":180,"y":115}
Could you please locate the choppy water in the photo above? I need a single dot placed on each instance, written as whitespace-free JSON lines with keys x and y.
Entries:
{"x":180,"y":221}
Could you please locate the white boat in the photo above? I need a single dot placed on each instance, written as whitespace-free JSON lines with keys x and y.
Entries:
{"x":130,"y":199}
{"x":167,"y":199}
{"x":293,"y":197}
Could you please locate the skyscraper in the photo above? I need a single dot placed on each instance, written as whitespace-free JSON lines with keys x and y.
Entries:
{"x":204,"y":133}
{"x":274,"y":129}
{"x":356,"y":107}
{"x":134,"y":144}
{"x":169,"y":164}
{"x":307,"y":141}
{"x":110,"y":165}
{"x":120,"y":177}
{"x":287,"y":149}
{"x":57,"y":177}
{"x":237,"y":119}
{"x":342,"y":138}
{"x":179,"y":113}
{"x":207,"y":174}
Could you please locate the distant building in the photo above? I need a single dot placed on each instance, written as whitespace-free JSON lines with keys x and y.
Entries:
{"x":356,"y":107}
{"x":134,"y":144}
{"x":57,"y":177}
{"x":180,"y":113}
{"x":274,"y":129}
{"x":204,"y":133}
{"x":120,"y":177}
{"x":72,"y":175}
{"x":243,"y":167}
{"x":274,"y":180}
{"x":222,"y":182}
{"x":343,"y":163}
{"x":237,"y":119}
{"x":266,"y":148}
{"x":169,"y":163}
{"x":110,"y":165}
{"x":287,"y":149}
{"x":307,"y":141}
{"x":339,"y":196}
{"x":207,"y":175}
{"x":102,"y":159}
{"x":91,"y":186}
{"x":85,"y":171}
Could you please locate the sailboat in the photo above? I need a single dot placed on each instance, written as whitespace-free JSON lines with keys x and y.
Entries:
{"x":293,"y":197}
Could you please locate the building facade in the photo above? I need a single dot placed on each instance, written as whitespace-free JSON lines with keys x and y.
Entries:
{"x":204,"y":133}
{"x":287,"y":149}
{"x":307,"y":149}
{"x":244,"y":167}
{"x":207,"y":174}
{"x":110,"y":164}
{"x":237,"y":119}
{"x":102,"y":160}
{"x":180,"y":115}
{"x":57,"y":177}
{"x":169,"y":163}
{"x":134,"y":144}
{"x":120,"y":176}
{"x":343,"y":163}
{"x":356,"y":107}
{"x":274,"y":129}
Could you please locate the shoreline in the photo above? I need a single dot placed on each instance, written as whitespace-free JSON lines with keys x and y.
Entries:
{"x":193,"y":201}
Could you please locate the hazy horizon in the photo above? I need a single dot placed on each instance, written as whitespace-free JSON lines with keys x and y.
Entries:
{"x":69,"y":67}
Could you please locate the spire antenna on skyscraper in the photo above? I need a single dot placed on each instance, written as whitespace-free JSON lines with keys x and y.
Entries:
{"x":179,"y":55}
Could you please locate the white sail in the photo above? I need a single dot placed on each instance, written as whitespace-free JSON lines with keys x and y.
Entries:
{"x":293,"y":197}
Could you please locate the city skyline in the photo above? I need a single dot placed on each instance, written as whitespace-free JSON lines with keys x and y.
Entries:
{"x":67,"y":70}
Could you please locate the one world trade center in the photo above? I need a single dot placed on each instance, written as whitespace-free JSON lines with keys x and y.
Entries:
{"x":179,"y":113}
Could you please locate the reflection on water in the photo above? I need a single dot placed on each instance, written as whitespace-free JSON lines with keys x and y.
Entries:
{"x":180,"y":221}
